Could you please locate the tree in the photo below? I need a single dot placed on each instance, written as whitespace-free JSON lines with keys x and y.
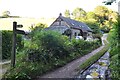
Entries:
{"x":108,"y":2}
{"x":113,"y":15}
{"x":101,"y":11}
{"x":91,"y":15}
{"x":106,"y":17}
{"x":38,"y":27}
{"x":67,"y":13}
{"x":94,"y":26}
{"x":78,"y":14}
{"x":6,"y":14}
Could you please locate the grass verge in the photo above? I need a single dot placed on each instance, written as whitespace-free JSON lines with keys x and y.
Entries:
{"x":94,"y":58}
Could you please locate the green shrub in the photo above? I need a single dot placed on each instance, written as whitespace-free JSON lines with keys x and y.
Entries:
{"x":7,"y":44}
{"x":114,"y":66}
{"x":38,"y":27}
{"x":114,"y":40}
{"x":51,"y":43}
{"x":83,"y":47}
{"x":47,"y":50}
{"x":98,"y":36}
{"x":94,"y":26}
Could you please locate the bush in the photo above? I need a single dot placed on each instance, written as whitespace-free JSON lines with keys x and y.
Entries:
{"x":83,"y":47}
{"x":114,"y":40}
{"x":38,"y":27}
{"x":114,"y":66}
{"x":51,"y":44}
{"x":93,"y":25}
{"x":47,"y":50}
{"x":7,"y":44}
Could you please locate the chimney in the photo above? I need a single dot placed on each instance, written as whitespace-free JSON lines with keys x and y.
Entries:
{"x":60,"y":14}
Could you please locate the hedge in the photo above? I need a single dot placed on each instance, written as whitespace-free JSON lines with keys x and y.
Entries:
{"x":46,"y":51}
{"x":7,"y":44}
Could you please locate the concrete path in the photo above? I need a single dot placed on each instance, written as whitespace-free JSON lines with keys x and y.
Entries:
{"x":70,"y":70}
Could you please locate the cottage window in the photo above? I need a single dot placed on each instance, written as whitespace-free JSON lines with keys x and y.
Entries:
{"x":75,"y":34}
{"x":72,"y":23}
{"x":79,"y":34}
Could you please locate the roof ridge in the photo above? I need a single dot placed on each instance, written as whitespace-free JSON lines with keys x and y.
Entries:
{"x":76,"y":24}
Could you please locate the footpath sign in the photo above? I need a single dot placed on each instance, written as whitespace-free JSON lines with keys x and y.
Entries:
{"x":15,"y":32}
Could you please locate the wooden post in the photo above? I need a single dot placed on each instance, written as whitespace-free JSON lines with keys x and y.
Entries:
{"x":15,"y":32}
{"x":13,"y":54}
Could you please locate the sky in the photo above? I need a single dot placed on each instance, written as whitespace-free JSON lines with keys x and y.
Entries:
{"x":47,"y":8}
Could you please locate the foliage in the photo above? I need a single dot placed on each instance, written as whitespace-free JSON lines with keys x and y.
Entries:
{"x":52,"y":43}
{"x":78,"y":13}
{"x":106,"y":17}
{"x":7,"y":44}
{"x":118,"y":31}
{"x":67,"y":13}
{"x":37,"y":28}
{"x":6,"y":14}
{"x":114,"y":37}
{"x":94,"y":26}
{"x":101,"y":10}
{"x":114,"y":66}
{"x":47,"y":50}
{"x":105,"y":29}
{"x":94,"y":58}
{"x":81,"y":45}
{"x":108,"y":2}
{"x":91,"y":15}
{"x":101,"y":18}
{"x":97,"y":36}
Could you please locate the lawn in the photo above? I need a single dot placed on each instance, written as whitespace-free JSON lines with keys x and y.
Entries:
{"x":7,"y":23}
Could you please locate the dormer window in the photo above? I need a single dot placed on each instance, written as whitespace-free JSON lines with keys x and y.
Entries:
{"x":73,"y":24}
